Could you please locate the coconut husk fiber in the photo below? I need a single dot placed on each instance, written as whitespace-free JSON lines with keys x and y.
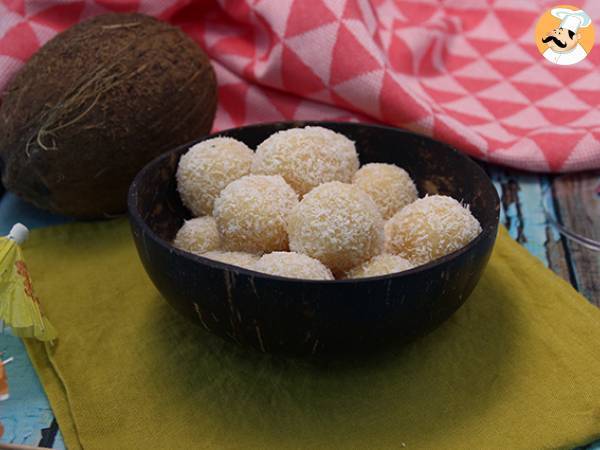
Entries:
{"x":94,"y":105}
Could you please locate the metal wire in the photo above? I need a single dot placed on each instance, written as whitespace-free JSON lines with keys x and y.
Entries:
{"x":585,"y":241}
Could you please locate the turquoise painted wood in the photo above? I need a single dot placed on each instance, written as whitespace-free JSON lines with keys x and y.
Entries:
{"x":523,"y":211}
{"x":524,"y":197}
{"x":26,"y":413}
{"x":13,"y":210}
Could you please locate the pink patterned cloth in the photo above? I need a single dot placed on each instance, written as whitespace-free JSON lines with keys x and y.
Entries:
{"x":465,"y":72}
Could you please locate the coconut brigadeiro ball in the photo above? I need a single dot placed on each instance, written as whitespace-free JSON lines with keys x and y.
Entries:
{"x":293,"y":265}
{"x":380,"y":265}
{"x":390,"y":187}
{"x":240,"y":259}
{"x":338,"y":224}
{"x":307,"y":157}
{"x":198,"y":235}
{"x":429,"y":228}
{"x":251,"y":213}
{"x":207,"y":168}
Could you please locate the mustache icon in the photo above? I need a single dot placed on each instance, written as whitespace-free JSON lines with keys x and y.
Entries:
{"x":556,"y":41}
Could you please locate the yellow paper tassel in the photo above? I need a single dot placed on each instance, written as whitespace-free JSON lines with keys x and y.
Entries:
{"x":19,"y":307}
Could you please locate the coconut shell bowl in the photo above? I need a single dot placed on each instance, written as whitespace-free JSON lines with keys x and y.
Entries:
{"x":304,"y":317}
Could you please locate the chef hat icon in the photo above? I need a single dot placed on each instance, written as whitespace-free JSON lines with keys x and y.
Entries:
{"x":571,"y":20}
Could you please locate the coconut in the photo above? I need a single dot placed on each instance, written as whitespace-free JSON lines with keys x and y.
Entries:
{"x":94,"y":105}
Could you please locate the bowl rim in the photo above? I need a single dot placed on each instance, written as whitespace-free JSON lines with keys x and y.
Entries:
{"x":214,"y":264}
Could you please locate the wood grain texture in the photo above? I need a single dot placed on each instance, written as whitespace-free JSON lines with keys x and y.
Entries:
{"x":523,"y":198}
{"x":556,"y":245}
{"x":577,"y":198}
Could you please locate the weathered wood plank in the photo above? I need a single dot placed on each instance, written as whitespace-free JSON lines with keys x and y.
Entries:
{"x":555,"y":249}
{"x":524,"y":197}
{"x":556,"y":245}
{"x":577,"y":197}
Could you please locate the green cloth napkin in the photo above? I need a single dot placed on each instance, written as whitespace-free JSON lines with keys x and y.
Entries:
{"x":518,"y":366}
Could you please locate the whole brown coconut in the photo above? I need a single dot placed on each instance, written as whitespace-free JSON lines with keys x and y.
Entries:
{"x":94,"y":105}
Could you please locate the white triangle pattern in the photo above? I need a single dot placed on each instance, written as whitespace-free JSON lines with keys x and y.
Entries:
{"x":10,"y":66}
{"x":450,"y":61}
{"x":524,"y":148}
{"x":44,"y":34}
{"x":362,"y":35}
{"x":471,"y":106}
{"x":489,"y":29}
{"x":563,"y":99}
{"x":504,"y":91}
{"x":494,"y":130}
{"x":537,"y":74}
{"x":445,"y":83}
{"x":511,"y":52}
{"x":336,"y":6}
{"x":587,"y":82}
{"x":480,"y":69}
{"x":8,"y":20}
{"x":469,"y":134}
{"x":529,"y":118}
{"x":315,"y":48}
{"x":460,"y":46}
{"x":269,"y":71}
{"x":587,"y":147}
{"x":589,"y":120}
{"x":276,"y":17}
{"x":354,"y":91}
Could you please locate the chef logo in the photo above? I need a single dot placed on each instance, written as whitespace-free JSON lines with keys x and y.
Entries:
{"x":565,"y":35}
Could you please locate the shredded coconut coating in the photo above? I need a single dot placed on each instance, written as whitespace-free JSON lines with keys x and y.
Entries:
{"x":338,"y":224}
{"x":251,"y":213}
{"x":307,"y":157}
{"x":390,"y":187}
{"x":430,"y":228}
{"x":207,"y":168}
{"x":198,"y":235}
{"x":380,"y":265}
{"x":293,"y":265}
{"x":240,"y":259}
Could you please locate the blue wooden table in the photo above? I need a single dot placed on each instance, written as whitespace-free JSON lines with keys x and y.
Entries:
{"x":530,"y":203}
